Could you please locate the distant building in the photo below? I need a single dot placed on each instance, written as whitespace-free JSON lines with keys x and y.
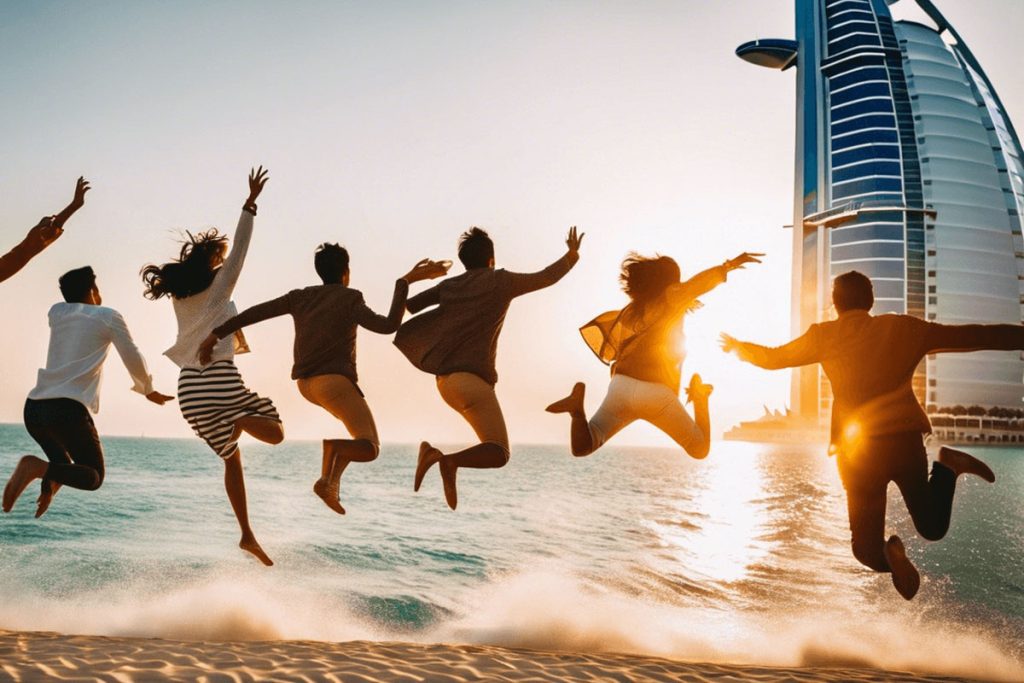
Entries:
{"x":909,"y":170}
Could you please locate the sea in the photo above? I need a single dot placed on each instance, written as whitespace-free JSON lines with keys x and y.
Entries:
{"x":743,"y":557}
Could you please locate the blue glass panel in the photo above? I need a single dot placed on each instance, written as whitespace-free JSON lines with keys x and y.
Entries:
{"x":867,"y":73}
{"x":871,"y":168}
{"x":888,"y":289}
{"x":869,"y":153}
{"x":860,"y":92}
{"x":849,"y":25}
{"x":873,"y":269}
{"x":876,"y":136}
{"x":874,"y":121}
{"x":868,"y":250}
{"x":867,"y":186}
{"x":878,"y":106}
{"x":860,"y":233}
{"x":854,"y":42}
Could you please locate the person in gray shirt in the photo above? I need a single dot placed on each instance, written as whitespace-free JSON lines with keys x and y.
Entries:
{"x":457,"y":342}
{"x":326,"y":318}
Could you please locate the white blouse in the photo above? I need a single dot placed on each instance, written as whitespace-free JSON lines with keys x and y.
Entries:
{"x":200,"y":313}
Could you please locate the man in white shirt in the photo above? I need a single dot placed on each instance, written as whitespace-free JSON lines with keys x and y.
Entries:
{"x":57,"y":410}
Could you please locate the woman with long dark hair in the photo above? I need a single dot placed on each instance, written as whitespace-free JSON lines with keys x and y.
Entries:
{"x":643,"y":344}
{"x":213,"y":399}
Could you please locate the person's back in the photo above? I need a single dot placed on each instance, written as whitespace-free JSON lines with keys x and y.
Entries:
{"x":870,"y":362}
{"x":326,"y":320}
{"x":471,"y":314}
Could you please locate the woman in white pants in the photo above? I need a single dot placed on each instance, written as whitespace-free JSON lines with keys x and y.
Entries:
{"x":643,"y":345}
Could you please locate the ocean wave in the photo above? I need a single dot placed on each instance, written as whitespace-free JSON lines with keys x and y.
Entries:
{"x":547,"y":609}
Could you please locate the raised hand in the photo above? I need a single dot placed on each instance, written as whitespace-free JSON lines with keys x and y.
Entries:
{"x":81,"y":187}
{"x":742,"y":260}
{"x":728,"y":343}
{"x":206,"y":348}
{"x":78,"y":201}
{"x":158,"y":398}
{"x":427,"y":270}
{"x":573,"y":241}
{"x":257,"y":179}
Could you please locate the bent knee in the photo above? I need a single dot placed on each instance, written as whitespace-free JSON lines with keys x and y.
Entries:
{"x":700,"y":450}
{"x":276,"y":437}
{"x":372,"y":448}
{"x":96,"y":482}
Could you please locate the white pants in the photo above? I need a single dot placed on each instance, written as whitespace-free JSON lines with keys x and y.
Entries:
{"x":630,"y":399}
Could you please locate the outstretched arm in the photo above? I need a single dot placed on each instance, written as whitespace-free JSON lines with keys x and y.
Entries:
{"x":423,"y":270}
{"x":133,"y":361}
{"x":224,"y":284}
{"x":801,"y":351}
{"x":42,"y":235}
{"x":962,"y":338}
{"x":250,"y":316}
{"x":524,"y":283}
{"x":704,"y":281}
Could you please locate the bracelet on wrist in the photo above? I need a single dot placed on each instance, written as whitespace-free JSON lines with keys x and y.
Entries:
{"x":250,"y":207}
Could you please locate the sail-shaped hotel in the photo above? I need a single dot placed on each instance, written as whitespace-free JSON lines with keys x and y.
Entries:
{"x":909,"y":170}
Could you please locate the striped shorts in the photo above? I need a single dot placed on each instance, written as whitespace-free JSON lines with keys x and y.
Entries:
{"x":213,"y":398}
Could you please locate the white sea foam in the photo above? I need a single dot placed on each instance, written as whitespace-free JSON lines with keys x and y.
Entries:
{"x":547,"y":610}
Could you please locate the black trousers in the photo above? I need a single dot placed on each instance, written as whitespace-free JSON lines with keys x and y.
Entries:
{"x":866,"y":472}
{"x":64,"y":429}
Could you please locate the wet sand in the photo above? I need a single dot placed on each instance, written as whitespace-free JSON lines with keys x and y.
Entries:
{"x":31,"y":656}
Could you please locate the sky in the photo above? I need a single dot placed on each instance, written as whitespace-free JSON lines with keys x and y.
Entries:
{"x":391,"y":127}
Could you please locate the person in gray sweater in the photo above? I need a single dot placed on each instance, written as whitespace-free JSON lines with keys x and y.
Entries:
{"x":457,"y":343}
{"x":326,"y":318}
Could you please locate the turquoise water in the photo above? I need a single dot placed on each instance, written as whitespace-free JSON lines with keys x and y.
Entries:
{"x":742,"y":557}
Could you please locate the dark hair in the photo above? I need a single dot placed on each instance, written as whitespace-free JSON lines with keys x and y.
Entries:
{"x":76,"y":284}
{"x":475,"y":248}
{"x":645,"y":278}
{"x":331,"y":262}
{"x":192,"y":272}
{"x":852,"y":291}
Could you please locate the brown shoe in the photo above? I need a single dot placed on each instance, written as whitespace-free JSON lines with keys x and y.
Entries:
{"x":964,"y":463}
{"x":905,"y":576}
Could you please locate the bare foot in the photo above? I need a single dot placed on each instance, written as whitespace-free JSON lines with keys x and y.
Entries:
{"x":698,"y":391}
{"x":29,"y":467}
{"x":905,"y":576}
{"x":573,"y":403}
{"x":428,"y":458}
{"x":249,"y":545}
{"x":964,"y":463}
{"x":329,"y":495}
{"x":46,"y":494}
{"x":448,"y":470}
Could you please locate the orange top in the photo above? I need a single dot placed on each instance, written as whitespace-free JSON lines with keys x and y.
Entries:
{"x":648,"y":344}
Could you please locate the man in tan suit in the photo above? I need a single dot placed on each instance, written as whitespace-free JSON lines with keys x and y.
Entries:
{"x":877,"y":422}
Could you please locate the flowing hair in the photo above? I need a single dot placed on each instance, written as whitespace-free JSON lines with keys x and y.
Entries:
{"x":645,"y":278}
{"x":192,"y":272}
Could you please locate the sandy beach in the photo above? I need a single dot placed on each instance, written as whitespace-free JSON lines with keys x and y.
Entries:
{"x":32,"y":656}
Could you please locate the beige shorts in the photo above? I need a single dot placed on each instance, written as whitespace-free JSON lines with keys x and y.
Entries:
{"x":630,"y":399}
{"x":341,"y":398}
{"x":476,"y":401}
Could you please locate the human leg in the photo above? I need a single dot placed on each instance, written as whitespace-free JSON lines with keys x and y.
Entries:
{"x":581,"y":440}
{"x":234,"y":485}
{"x":65,"y":431}
{"x":339,"y":396}
{"x":866,"y":472}
{"x":475,"y":400}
